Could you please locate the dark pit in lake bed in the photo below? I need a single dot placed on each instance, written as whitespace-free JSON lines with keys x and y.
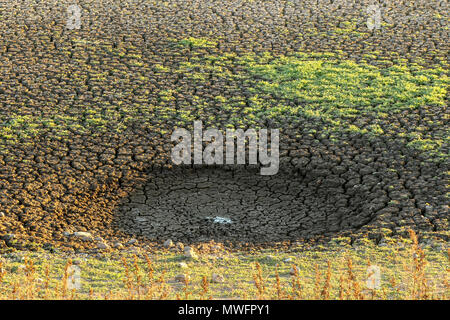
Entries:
{"x":213,"y":203}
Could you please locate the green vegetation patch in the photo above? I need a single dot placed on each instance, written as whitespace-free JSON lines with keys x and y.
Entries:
{"x":333,"y":94}
{"x":335,"y":88}
{"x":325,"y":91}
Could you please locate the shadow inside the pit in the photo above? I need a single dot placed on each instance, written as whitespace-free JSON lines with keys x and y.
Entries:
{"x":238,"y":205}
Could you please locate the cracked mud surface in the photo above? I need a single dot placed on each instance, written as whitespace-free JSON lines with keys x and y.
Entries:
{"x":217,"y":204}
{"x":86,"y":116}
{"x":322,"y":189}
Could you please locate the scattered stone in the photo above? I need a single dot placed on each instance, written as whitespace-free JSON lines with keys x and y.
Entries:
{"x":287,"y":260}
{"x":293,"y":270}
{"x":217,"y":278}
{"x":180,"y":246}
{"x":168,"y":244}
{"x":102,"y":246}
{"x":132,"y":241}
{"x":190,"y":253}
{"x":118,"y":245}
{"x":85,"y":236}
{"x":67,"y":233}
{"x":182,"y":278}
{"x":183,"y":265}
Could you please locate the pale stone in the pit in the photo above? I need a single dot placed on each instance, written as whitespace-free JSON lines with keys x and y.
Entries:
{"x":141,"y":219}
{"x":183,"y":265}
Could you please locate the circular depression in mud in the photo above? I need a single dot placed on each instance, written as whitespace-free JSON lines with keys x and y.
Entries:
{"x":187,"y":204}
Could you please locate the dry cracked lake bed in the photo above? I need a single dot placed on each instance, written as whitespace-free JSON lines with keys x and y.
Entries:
{"x":87,"y":110}
{"x":214,"y":204}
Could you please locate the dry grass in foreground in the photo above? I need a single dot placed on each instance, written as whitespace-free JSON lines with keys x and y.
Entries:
{"x":337,"y":271}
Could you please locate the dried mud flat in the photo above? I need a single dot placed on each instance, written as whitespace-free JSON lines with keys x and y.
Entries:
{"x":214,"y":204}
{"x":86,"y":117}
